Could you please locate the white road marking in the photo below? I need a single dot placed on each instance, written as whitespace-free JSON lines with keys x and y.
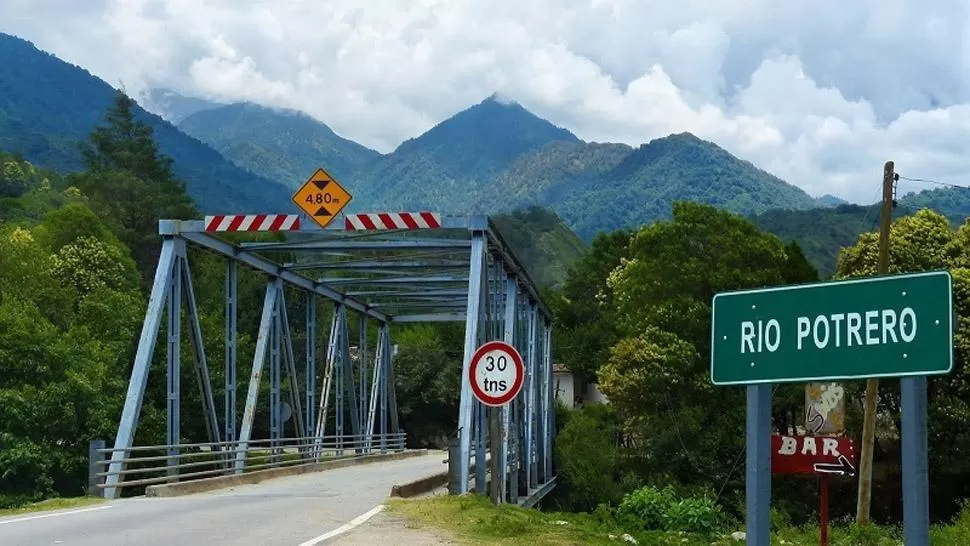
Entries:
{"x":345,"y":527}
{"x":55,"y":514}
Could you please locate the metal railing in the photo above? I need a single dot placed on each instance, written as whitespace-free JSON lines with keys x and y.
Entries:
{"x":186,"y":462}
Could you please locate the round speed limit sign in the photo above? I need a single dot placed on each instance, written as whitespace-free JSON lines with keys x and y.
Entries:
{"x":496,"y":373}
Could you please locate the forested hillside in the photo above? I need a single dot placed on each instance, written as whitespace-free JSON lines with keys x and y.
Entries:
{"x":48,"y":107}
{"x":952,"y":202}
{"x":544,"y":243}
{"x":643,"y":186}
{"x":282,"y":145}
{"x":823,"y":232}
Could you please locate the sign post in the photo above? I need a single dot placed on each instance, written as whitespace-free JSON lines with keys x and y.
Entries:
{"x":819,"y":455}
{"x":321,"y":197}
{"x":823,"y":510}
{"x":496,"y":374}
{"x":888,"y":326}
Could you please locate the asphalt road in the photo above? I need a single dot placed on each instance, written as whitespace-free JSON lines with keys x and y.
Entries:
{"x":289,"y":511}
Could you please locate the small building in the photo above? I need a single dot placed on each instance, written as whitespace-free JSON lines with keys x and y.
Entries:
{"x":565,"y":385}
{"x":570,"y":393}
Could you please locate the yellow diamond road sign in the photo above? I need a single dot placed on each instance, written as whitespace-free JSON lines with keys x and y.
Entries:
{"x":321,"y":197}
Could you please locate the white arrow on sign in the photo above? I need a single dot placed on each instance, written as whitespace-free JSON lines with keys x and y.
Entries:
{"x":496,"y":373}
{"x":843,"y":467}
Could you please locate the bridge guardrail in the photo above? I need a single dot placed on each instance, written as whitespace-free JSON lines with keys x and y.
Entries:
{"x":209,"y":459}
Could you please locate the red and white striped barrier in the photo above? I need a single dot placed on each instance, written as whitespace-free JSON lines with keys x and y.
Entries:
{"x":252,"y":222}
{"x":392,"y":220}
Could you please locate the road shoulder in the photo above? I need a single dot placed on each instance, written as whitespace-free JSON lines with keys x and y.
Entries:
{"x":394,"y":530}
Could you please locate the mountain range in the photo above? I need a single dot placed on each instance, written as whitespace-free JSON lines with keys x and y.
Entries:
{"x":48,"y":107}
{"x":493,"y":157}
{"x":496,"y":156}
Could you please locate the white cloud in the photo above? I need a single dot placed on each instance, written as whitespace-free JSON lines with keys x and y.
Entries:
{"x":818,"y":92}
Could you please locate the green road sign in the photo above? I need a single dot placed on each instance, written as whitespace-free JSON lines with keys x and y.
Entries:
{"x":890,"y":326}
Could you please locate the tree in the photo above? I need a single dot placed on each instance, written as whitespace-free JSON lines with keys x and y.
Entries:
{"x":585,"y":327}
{"x":66,"y":325}
{"x":586,"y":459}
{"x":427,"y":383}
{"x":130,"y":184}
{"x":675,"y":268}
{"x":678,"y":426}
{"x":125,"y":144}
{"x":921,"y":242}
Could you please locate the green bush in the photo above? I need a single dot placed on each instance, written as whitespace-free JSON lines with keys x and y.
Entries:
{"x":646,"y":507}
{"x":651,"y":508}
{"x":586,"y":460}
{"x":693,"y":515}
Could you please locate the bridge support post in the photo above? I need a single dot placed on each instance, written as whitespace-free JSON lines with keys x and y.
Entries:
{"x":275,"y":413}
{"x":529,"y":393}
{"x":139,"y":372}
{"x":348,"y":380}
{"x":384,"y":400}
{"x":311,"y":362}
{"x":259,"y":359}
{"x":511,"y":290}
{"x":286,"y":339}
{"x":363,"y":405}
{"x":339,"y":317}
{"x":548,"y":404}
{"x":174,"y":361}
{"x":95,"y":464}
{"x":474,"y":305}
{"x":198,"y":350}
{"x":321,"y":421}
{"x":232,"y":285}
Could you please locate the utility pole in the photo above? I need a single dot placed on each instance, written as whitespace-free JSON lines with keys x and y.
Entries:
{"x":872,"y":385}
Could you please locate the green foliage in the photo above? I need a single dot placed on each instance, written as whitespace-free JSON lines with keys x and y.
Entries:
{"x":647,"y":507}
{"x":586,"y":459}
{"x":696,"y":515}
{"x":676,"y":267}
{"x":651,"y":293}
{"x":823,"y":232}
{"x":585,"y":325}
{"x":67,"y":317}
{"x":427,"y":372}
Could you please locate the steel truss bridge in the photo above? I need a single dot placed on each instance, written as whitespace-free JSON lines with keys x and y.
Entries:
{"x":460,"y":270}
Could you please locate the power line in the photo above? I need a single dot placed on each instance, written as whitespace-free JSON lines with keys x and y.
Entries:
{"x":932,"y":181}
{"x":868,"y":210}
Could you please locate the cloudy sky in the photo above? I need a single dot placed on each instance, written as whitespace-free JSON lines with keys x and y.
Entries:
{"x":819,"y":92}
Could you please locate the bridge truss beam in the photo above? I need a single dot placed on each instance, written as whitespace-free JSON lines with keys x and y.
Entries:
{"x":461,"y":272}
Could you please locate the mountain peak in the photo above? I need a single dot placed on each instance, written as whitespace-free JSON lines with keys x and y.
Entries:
{"x":501,"y":98}
{"x":497,"y":126}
